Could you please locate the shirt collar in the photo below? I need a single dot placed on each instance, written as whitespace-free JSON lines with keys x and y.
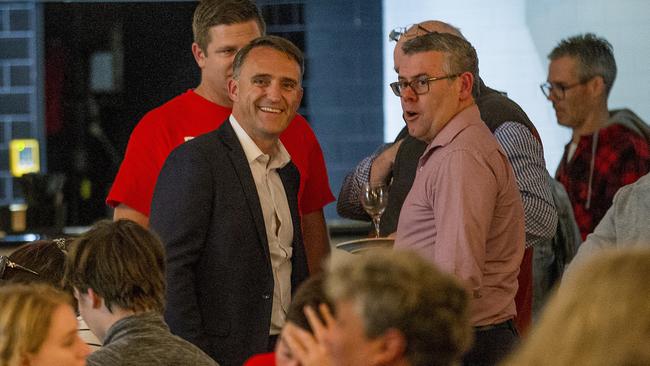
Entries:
{"x":253,"y":152}
{"x":463,"y":119}
{"x":459,"y":122}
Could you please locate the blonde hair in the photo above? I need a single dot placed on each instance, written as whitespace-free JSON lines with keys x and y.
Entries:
{"x":599,"y":317}
{"x":25,"y":317}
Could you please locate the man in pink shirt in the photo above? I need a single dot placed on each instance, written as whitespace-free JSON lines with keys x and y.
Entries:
{"x":464,"y":211}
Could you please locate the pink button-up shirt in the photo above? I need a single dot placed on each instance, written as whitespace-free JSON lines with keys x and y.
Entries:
{"x":464,"y":213}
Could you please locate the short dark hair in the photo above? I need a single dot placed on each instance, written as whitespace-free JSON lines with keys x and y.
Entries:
{"x":277,"y":43}
{"x":122,"y":262}
{"x":45,"y":257}
{"x":210,"y":13}
{"x":310,"y":293}
{"x":460,"y":54}
{"x":595,"y":56}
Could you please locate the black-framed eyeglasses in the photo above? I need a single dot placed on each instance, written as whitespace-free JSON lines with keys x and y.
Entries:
{"x":5,"y":263}
{"x":419,"y":86}
{"x":416,"y":31}
{"x":557,"y":90}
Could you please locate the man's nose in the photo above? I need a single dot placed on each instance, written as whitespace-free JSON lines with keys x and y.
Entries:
{"x":274,"y":91}
{"x":408,"y":93}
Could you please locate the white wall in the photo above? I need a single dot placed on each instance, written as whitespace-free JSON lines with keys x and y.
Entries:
{"x":513,"y":37}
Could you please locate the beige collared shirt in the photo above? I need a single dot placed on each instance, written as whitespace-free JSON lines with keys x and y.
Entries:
{"x":277,"y":218}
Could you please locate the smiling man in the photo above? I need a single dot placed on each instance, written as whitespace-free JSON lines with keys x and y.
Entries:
{"x":464,"y":210}
{"x":221,"y":28}
{"x":226,"y":208}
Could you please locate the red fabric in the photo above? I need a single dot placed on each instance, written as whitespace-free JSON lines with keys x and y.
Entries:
{"x":622,"y":157}
{"x":524,"y":296}
{"x":264,"y":359}
{"x":190,"y":115}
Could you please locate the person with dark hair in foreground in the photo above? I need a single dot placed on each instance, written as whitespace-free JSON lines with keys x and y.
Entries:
{"x":311,"y":293}
{"x":117,"y":271}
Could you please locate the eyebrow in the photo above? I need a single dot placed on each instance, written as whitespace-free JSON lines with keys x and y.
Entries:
{"x":413,"y":78}
{"x":226,"y":48}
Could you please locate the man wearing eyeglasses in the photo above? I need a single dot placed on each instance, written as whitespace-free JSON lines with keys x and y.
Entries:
{"x":513,"y":130}
{"x":607,"y":150}
{"x":464,"y":211}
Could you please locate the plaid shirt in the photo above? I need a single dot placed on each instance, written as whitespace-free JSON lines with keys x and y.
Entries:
{"x":622,"y":157}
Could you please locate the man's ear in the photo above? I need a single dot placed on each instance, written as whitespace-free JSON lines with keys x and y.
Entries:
{"x":466,"y":85}
{"x":233,"y":89}
{"x":597,"y":86}
{"x":95,"y":299}
{"x":199,"y":55}
{"x":390,"y":348}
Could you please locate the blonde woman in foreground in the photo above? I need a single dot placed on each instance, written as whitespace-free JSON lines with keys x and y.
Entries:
{"x":38,"y":328}
{"x":599,"y":316}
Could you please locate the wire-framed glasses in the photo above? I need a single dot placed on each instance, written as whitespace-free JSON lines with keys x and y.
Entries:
{"x":419,"y":85}
{"x":413,"y":30}
{"x":557,"y":90}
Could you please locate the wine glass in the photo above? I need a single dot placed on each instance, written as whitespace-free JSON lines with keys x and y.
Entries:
{"x":374,"y":198}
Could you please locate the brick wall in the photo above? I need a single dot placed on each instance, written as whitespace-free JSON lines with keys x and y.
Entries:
{"x":18,"y":85}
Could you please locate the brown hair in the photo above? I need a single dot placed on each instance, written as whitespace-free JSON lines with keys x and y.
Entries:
{"x":277,"y":43}
{"x":310,"y":293}
{"x":45,"y":257}
{"x":210,"y":13}
{"x":25,"y":319}
{"x":122,"y":262}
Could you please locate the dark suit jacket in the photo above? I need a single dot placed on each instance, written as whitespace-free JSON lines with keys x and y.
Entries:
{"x":219,"y":279}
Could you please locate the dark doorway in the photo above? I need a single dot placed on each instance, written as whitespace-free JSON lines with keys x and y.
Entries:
{"x":141,"y":56}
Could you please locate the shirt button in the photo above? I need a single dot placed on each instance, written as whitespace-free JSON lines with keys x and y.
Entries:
{"x":266,"y":296}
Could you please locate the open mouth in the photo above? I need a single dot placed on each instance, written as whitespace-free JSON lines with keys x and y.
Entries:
{"x":409,"y":115}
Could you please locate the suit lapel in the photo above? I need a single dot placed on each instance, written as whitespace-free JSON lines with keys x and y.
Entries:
{"x":290,"y":177}
{"x":242,"y":168}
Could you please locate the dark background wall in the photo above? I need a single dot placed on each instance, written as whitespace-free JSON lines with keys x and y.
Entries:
{"x":343,"y":43}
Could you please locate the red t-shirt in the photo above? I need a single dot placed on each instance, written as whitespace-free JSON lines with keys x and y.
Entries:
{"x":189,"y":115}
{"x":264,"y":359}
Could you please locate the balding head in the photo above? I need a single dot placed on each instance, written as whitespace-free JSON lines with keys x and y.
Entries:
{"x":419,"y":29}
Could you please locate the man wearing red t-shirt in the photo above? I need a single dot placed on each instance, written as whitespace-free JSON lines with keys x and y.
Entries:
{"x":220,"y":28}
{"x":607,"y":150}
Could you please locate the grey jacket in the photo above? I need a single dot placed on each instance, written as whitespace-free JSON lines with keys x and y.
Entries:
{"x":626,"y":223}
{"x":143,"y":340}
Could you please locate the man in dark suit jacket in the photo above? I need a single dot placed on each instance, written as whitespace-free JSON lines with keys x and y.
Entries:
{"x":225,"y":205}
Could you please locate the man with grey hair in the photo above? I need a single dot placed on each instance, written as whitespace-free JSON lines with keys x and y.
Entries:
{"x":464,"y":210}
{"x":226,"y":208}
{"x":396,"y":163}
{"x":608,"y":149}
{"x":392,"y":308}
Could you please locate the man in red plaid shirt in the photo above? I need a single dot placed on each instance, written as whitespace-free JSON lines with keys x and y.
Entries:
{"x":608,"y":149}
